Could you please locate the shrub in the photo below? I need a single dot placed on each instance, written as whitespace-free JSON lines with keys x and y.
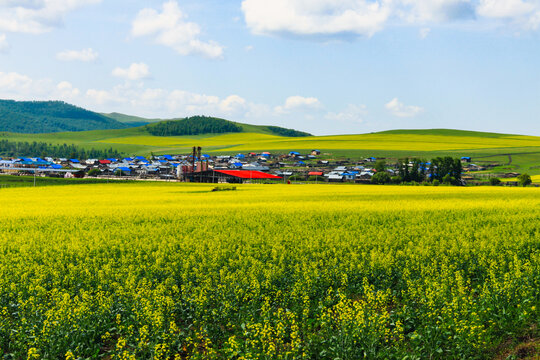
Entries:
{"x":296,"y":178}
{"x":436,"y":182}
{"x":494,"y":181}
{"x":317,"y":178}
{"x":447,"y":179}
{"x":94,"y":172}
{"x":381,"y":178}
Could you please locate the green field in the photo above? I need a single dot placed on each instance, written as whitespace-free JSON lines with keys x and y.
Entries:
{"x":514,"y":152}
{"x":11,"y":181}
{"x":176,"y":271}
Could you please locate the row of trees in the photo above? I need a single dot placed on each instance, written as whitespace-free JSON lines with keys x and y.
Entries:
{"x":441,"y":170}
{"x":32,"y":149}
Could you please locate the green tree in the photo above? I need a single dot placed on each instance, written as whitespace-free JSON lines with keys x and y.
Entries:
{"x":380,"y":166}
{"x":524,"y":179}
{"x":381,"y":177}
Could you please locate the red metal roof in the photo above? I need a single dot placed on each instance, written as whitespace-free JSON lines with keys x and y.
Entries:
{"x":104,"y":161}
{"x":315,"y":173}
{"x":249,"y":174}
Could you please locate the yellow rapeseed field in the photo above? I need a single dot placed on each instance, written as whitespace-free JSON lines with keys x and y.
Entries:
{"x":176,"y":271}
{"x":402,"y":142}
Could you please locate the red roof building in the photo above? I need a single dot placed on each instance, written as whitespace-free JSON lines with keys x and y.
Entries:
{"x":248,"y":174}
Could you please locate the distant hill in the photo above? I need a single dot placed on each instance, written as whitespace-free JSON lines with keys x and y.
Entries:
{"x":444,"y":132}
{"x":130,"y":119}
{"x":51,"y":116}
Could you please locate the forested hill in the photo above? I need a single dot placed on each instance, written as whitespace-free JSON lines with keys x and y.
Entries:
{"x":197,"y":125}
{"x":51,"y":116}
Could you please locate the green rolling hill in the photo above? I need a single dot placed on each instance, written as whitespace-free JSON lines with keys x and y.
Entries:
{"x":51,"y":116}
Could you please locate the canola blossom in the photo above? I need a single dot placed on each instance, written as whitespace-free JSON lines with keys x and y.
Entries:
{"x":378,"y":141}
{"x":176,"y":271}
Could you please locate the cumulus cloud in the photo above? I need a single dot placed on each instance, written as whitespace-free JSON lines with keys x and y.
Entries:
{"x":298,"y":102}
{"x":505,"y":8}
{"x":66,"y":90}
{"x":321,"y":17}
{"x":170,"y":28}
{"x":36,"y":16}
{"x":135,"y":71}
{"x":399,"y":109}
{"x":85,"y":55}
{"x":346,"y":18}
{"x":22,"y":87}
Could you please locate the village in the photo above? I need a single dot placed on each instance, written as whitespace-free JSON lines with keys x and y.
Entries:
{"x":205,"y":168}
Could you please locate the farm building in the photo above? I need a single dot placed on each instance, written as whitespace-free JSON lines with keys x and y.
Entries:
{"x":229,"y":176}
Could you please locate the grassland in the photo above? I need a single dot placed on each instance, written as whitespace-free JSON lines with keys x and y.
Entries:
{"x":176,"y":271}
{"x":9,"y":181}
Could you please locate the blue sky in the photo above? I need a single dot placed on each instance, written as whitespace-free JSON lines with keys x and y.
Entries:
{"x":323,"y":66}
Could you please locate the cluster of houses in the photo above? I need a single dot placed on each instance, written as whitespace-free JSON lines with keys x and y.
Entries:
{"x":292,"y":165}
{"x":199,"y":167}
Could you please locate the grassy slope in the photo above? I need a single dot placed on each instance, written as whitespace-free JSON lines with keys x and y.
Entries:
{"x":485,"y":148}
{"x":9,"y":181}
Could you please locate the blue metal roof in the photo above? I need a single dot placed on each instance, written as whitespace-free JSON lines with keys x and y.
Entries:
{"x":140,"y":158}
{"x":74,"y":160}
{"x":123,"y":168}
{"x":168,"y":157}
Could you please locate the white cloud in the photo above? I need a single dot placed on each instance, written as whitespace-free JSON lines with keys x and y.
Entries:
{"x":135,"y":71}
{"x":67,"y":91}
{"x":298,"y":102}
{"x":85,"y":55}
{"x":36,"y":16}
{"x":4,"y":45}
{"x":100,"y":97}
{"x":352,"y":114}
{"x":316,"y":17}
{"x":505,"y":8}
{"x":399,"y":109}
{"x":22,"y":87}
{"x":169,"y":28}
{"x":346,"y":18}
